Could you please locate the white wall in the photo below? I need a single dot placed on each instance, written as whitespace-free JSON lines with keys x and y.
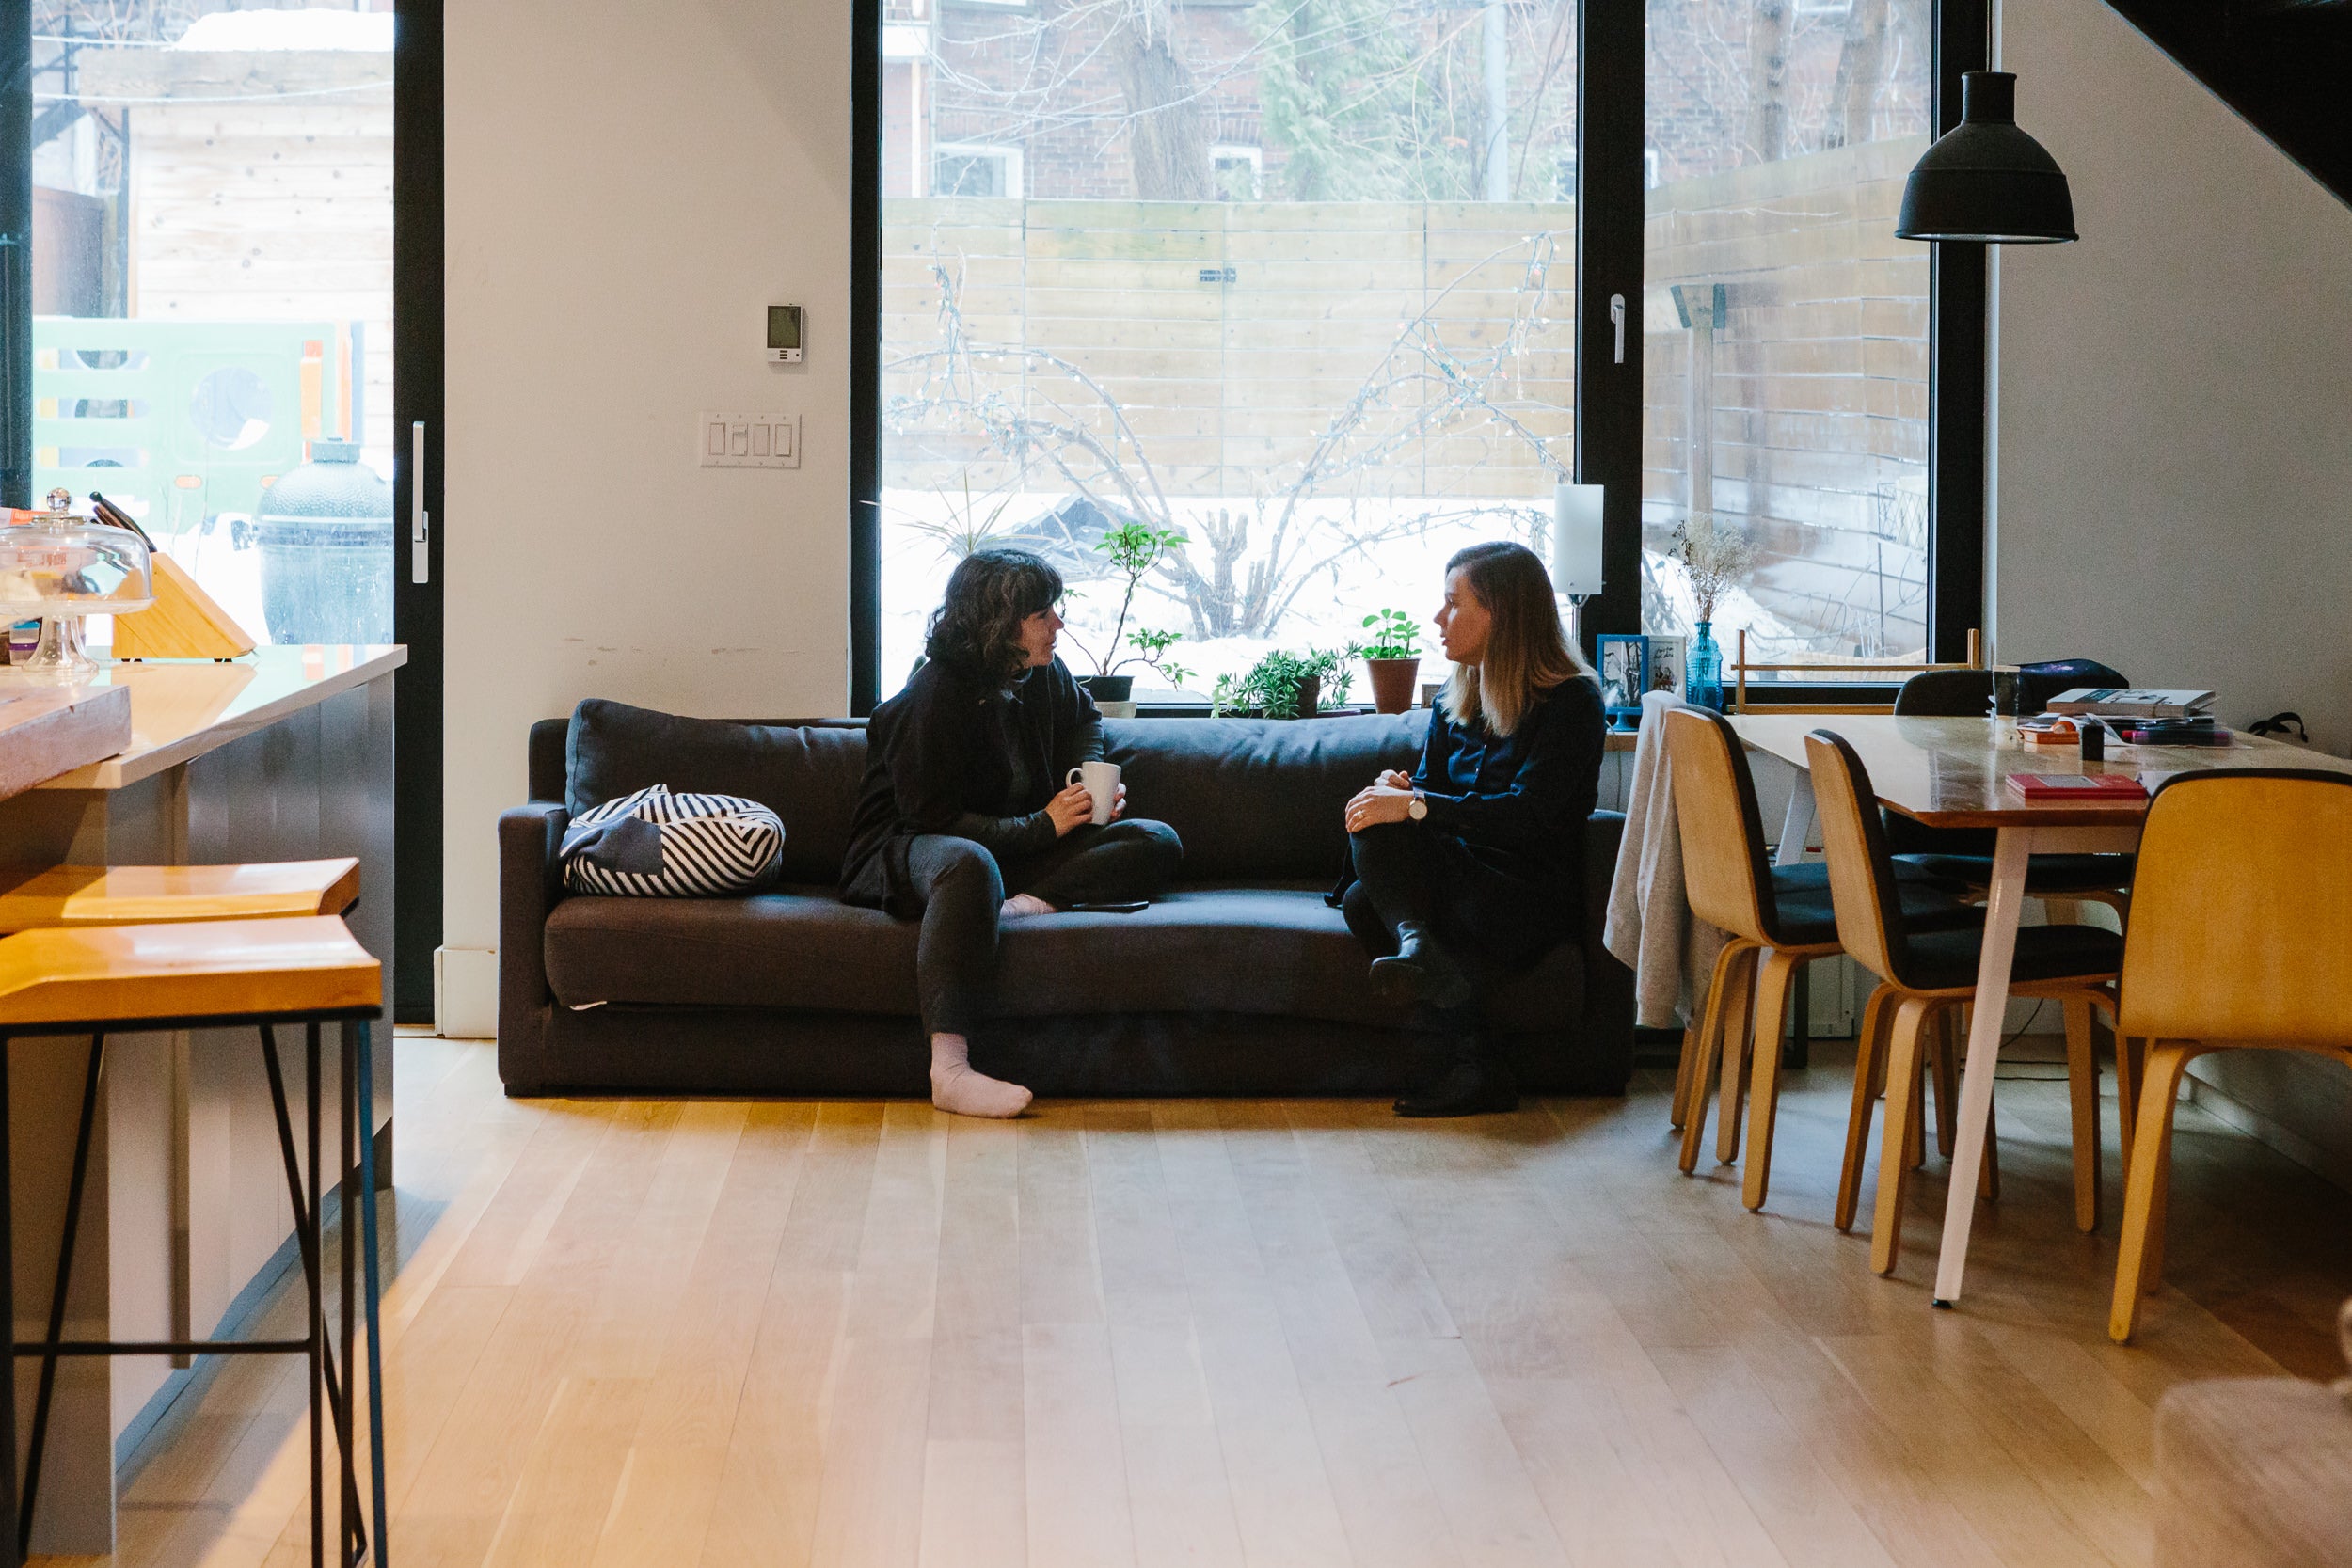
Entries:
{"x":2174,"y":404}
{"x":2174,"y":474}
{"x":629,"y":187}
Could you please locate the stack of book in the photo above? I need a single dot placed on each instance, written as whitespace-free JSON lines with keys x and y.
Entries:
{"x":2143,"y":715}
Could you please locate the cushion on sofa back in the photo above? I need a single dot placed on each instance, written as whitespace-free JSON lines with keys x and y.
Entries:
{"x":807,"y":775}
{"x":1251,"y":798}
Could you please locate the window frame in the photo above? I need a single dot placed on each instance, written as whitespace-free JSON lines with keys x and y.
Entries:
{"x":1613,"y":171}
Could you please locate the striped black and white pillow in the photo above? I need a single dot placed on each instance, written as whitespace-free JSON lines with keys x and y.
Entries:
{"x":656,"y":845}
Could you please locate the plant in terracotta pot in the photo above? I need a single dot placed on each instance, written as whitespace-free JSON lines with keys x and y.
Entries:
{"x":1393,"y":657}
{"x":1133,"y":548}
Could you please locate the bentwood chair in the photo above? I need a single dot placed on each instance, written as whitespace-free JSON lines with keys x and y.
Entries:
{"x":2240,"y":939}
{"x":1777,"y":919}
{"x":1924,"y":973}
{"x":202,"y":974}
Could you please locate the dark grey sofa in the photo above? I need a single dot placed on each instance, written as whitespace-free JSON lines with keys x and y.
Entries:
{"x":1241,"y":981}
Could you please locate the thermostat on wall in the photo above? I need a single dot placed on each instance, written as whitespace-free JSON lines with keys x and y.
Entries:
{"x":784,"y":334}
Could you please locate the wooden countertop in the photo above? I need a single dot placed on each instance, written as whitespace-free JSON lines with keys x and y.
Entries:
{"x":48,"y":730}
{"x":179,"y":710}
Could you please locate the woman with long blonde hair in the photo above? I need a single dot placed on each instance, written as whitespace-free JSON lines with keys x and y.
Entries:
{"x":1470,"y":867}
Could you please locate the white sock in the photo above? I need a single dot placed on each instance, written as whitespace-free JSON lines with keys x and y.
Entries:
{"x":1021,"y":905}
{"x":957,"y":1089}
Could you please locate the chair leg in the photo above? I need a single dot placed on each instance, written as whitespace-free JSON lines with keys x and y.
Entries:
{"x":293,"y":1165}
{"x":2082,"y":1082}
{"x":1931,"y":1048}
{"x":1946,"y":1064}
{"x":1771,"y":1006}
{"x":1688,"y":1073}
{"x":1902,"y":1116}
{"x":1870,"y":1051}
{"x":1729,"y":972}
{"x":1740,"y":1031}
{"x":46,"y":1388}
{"x":374,"y":1297}
{"x":1989,"y":1168}
{"x":1677,"y":1111}
{"x":2142,"y":1179}
{"x":2131,"y":1056}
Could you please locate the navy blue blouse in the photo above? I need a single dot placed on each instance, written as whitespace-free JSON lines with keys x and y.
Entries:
{"x":1515,"y":804}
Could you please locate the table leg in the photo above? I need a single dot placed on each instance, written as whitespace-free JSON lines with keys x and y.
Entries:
{"x":2002,"y":910}
{"x":10,"y":1555}
{"x":374,"y":1297}
{"x":1797,"y":826}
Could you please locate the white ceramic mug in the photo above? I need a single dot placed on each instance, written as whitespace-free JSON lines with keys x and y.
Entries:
{"x":1102,"y":781}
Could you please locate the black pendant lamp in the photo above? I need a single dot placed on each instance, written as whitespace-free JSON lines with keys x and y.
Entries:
{"x":1986,"y":182}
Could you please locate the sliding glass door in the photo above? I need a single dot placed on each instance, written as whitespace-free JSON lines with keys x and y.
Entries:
{"x":208,"y":249}
{"x":1295,"y":282}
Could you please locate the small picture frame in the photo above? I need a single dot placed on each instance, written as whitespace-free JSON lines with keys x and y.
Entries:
{"x":1624,"y":676}
{"x":1669,"y":658}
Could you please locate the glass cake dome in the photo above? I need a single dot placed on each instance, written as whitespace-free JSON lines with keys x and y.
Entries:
{"x":61,"y":567}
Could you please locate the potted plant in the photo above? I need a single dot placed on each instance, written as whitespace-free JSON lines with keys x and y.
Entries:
{"x":1283,"y":686}
{"x":1714,"y":558}
{"x":1134,"y":549}
{"x":1393,"y":656}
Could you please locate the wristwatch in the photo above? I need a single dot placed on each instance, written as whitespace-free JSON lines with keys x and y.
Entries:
{"x":1418,"y":808}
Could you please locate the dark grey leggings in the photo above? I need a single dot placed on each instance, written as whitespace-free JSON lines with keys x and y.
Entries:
{"x":962,"y":890}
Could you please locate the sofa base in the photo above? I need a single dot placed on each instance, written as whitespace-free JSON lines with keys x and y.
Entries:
{"x":663,"y":1050}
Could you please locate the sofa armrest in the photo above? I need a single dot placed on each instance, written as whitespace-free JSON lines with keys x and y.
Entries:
{"x":530,"y":838}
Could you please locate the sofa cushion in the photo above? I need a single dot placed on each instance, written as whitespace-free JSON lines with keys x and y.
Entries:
{"x":807,"y":776}
{"x":1253,"y":798}
{"x":1266,"y":951}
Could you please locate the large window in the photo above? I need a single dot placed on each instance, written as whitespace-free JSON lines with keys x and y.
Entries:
{"x":1785,"y":329}
{"x":211,"y":295}
{"x":1294,"y":278}
{"x":1290,"y":278}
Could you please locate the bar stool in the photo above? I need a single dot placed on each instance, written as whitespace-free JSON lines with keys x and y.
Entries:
{"x":264,"y":972}
{"x":74,"y":895}
{"x":1777,"y":920}
{"x":1925,"y":974}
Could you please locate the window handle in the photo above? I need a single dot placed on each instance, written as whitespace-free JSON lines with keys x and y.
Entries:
{"x":1616,"y":319}
{"x":419,"y":521}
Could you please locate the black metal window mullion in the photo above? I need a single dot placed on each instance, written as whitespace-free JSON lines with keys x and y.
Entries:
{"x":1611,"y":36}
{"x":1958,"y":312}
{"x":865,"y":266}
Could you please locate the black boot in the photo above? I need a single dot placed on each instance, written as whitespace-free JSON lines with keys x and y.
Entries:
{"x":1422,"y":970}
{"x":1478,"y":1081}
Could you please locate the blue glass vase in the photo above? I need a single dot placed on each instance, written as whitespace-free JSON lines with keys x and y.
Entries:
{"x":1703,"y":676}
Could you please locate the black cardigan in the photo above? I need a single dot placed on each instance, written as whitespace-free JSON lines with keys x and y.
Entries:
{"x":942,"y":757}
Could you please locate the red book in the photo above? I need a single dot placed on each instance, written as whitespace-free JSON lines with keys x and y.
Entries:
{"x":2077,"y":787}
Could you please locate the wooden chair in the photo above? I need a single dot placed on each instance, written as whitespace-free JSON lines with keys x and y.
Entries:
{"x":2241,"y":939}
{"x":1777,"y":920}
{"x":1922,"y":974}
{"x":199,"y":975}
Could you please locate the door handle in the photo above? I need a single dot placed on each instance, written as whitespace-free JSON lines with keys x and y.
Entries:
{"x":1616,"y":319}
{"x":419,"y":521}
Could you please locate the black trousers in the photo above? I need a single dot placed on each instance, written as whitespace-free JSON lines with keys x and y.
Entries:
{"x":1407,"y":872}
{"x":963,"y":889}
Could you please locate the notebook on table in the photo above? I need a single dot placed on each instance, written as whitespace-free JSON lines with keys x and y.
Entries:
{"x":2077,"y":787}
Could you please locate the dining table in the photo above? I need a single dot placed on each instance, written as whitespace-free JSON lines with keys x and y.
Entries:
{"x":1948,"y":772}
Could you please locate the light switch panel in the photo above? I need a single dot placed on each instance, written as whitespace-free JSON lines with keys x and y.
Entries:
{"x":749,"y":441}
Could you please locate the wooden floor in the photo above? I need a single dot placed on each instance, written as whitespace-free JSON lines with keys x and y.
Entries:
{"x":1228,"y":1332}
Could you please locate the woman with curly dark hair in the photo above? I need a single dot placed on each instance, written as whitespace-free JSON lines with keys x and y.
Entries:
{"x":963,"y":820}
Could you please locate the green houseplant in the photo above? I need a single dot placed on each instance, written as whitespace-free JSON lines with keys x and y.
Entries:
{"x":1133,"y":548}
{"x":1393,"y":656}
{"x":1284,"y":685}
